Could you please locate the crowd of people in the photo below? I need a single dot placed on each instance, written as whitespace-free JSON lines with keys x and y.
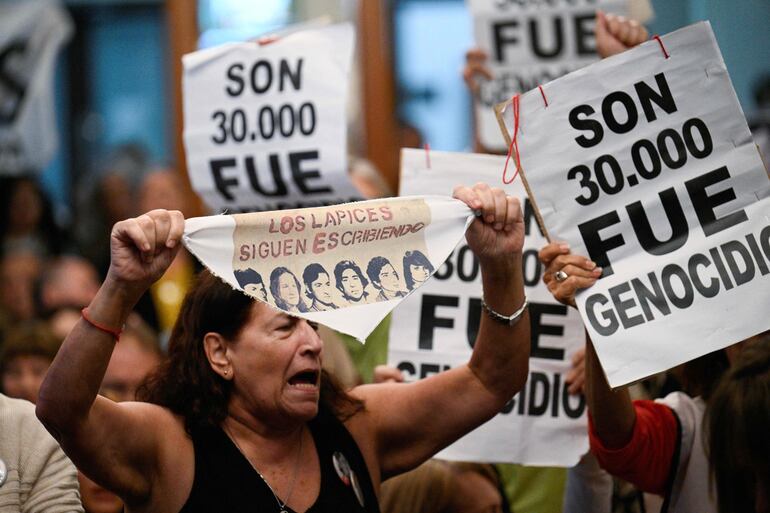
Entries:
{"x":164,"y":390}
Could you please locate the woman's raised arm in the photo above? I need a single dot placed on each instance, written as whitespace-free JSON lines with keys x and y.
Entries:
{"x":115,"y":444}
{"x":405,"y":424}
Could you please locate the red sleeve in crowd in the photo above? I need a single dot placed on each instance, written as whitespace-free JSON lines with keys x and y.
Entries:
{"x":646,"y":460}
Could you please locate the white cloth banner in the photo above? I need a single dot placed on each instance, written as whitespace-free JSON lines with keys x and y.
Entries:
{"x":530,"y":43}
{"x":340,"y":266}
{"x":265,"y":126}
{"x":433,"y":330}
{"x":31,"y":35}
{"x":645,"y":163}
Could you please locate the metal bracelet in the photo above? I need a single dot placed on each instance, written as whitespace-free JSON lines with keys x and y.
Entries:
{"x":509,"y":320}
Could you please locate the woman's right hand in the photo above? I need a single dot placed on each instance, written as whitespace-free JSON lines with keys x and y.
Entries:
{"x":142,"y":248}
{"x":581,"y":272}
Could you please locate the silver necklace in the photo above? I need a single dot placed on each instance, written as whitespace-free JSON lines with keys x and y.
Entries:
{"x":281,"y":505}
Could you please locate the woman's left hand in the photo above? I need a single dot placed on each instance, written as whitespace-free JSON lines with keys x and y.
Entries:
{"x":497,"y":234}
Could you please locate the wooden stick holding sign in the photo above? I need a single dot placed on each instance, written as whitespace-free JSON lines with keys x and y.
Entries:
{"x":499,"y":111}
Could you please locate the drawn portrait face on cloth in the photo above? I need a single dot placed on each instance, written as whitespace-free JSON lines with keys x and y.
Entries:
{"x":330,"y":258}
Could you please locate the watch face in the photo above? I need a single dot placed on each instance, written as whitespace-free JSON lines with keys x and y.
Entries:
{"x":3,"y":472}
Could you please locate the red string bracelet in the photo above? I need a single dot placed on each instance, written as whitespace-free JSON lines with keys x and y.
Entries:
{"x":115,"y":332}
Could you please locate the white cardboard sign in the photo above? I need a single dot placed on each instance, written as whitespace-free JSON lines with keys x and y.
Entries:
{"x":31,"y":35}
{"x":265,"y":124}
{"x":433,"y":329}
{"x":530,"y":42}
{"x":645,"y":163}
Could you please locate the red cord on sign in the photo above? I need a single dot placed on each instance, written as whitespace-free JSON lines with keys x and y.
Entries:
{"x":266,"y":40}
{"x":427,"y":156}
{"x":662,"y":47}
{"x":542,"y":93}
{"x":514,"y":143}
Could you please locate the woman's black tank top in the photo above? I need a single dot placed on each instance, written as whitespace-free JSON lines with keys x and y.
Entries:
{"x":226,"y":482}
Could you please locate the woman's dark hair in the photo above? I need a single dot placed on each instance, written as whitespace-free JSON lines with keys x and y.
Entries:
{"x":738,"y":426}
{"x":186,"y":384}
{"x":414,"y":258}
{"x":700,"y":376}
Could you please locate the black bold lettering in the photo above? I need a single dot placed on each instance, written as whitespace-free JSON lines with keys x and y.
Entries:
{"x":426,"y":369}
{"x":275,"y":172}
{"x":555,"y":400}
{"x":407,"y":367}
{"x":764,"y":241}
{"x":757,"y":254}
{"x":502,"y":36}
{"x":530,"y":219}
{"x":223,"y":184}
{"x":14,"y":87}
{"x":667,"y":276}
{"x":654,"y":296}
{"x":268,"y":76}
{"x":538,"y":380}
{"x":235,"y":74}
{"x":609,"y":113}
{"x":623,"y":305}
{"x":295,"y":77}
{"x":429,"y":321}
{"x":705,"y":204}
{"x":612,"y":325}
{"x":676,"y":220}
{"x":585,"y":124}
{"x":730,"y":250}
{"x":566,"y":402}
{"x":700,"y":260}
{"x":717,"y":259}
{"x":662,"y":97}
{"x":536,"y":43}
{"x":598,"y":247}
{"x":474,"y":319}
{"x":584,"y":34}
{"x":538,"y":329}
{"x":301,"y":177}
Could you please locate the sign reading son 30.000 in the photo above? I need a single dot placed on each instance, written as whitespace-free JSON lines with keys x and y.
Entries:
{"x":265,"y":124}
{"x":644,"y":162}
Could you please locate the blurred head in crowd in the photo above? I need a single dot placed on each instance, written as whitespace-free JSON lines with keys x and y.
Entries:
{"x":68,"y":281}
{"x":26,"y":218}
{"x":28,"y":351}
{"x":19,"y":271}
{"x":738,"y":422}
{"x":368,"y":180}
{"x":136,"y":355}
{"x":62,"y":320}
{"x":439,"y":486}
{"x":161,"y":189}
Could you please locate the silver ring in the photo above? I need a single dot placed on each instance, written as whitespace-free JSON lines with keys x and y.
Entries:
{"x":560,"y":276}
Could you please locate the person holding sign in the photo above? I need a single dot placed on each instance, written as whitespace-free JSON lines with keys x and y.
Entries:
{"x":656,"y":445}
{"x":241,"y":417}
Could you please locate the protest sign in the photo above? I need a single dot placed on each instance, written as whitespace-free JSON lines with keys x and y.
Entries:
{"x":265,"y":124}
{"x":434,"y":328}
{"x":31,"y":35}
{"x":530,"y":42}
{"x":340,"y":266}
{"x":644,"y":162}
